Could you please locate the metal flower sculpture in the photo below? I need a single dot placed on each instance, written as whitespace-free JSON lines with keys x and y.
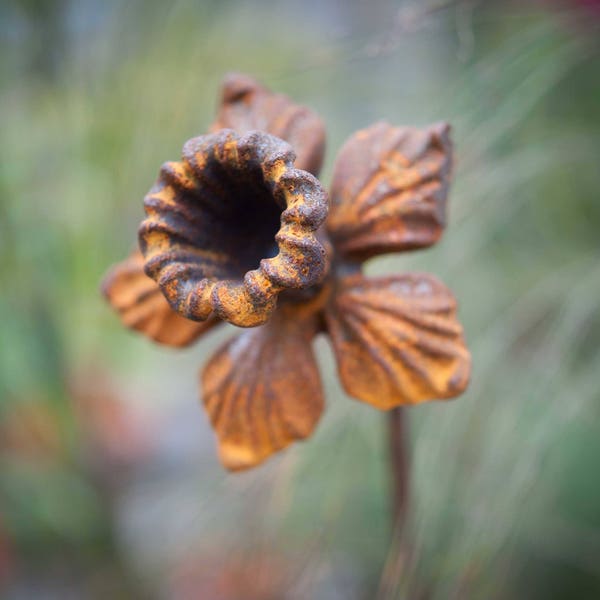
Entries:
{"x":238,"y":231}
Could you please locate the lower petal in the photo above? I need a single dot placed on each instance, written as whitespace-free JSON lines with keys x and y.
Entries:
{"x":262,"y":390}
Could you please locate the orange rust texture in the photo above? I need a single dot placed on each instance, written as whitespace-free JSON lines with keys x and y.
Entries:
{"x":389,"y":190}
{"x":232,"y":226}
{"x":262,"y":389}
{"x":397,"y":340}
{"x":142,"y":306}
{"x":246,"y":105}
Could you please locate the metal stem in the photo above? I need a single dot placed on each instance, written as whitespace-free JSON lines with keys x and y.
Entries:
{"x":399,"y":466}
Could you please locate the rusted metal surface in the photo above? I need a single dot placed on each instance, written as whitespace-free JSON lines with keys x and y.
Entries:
{"x":389,"y":190}
{"x":231,"y":226}
{"x":262,"y":389}
{"x":234,"y":232}
{"x":396,"y":339}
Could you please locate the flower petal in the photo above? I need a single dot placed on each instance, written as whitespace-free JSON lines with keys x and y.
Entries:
{"x":142,"y":306}
{"x":397,"y":340}
{"x":389,"y":190}
{"x":246,"y":105}
{"x":262,"y":390}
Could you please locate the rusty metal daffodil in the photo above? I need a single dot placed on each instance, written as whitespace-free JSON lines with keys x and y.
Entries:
{"x":238,"y":231}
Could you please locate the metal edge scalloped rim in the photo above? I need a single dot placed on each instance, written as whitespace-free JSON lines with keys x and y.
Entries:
{"x":301,"y":261}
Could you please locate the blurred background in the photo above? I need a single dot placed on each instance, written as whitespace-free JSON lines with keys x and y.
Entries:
{"x":109,"y":481}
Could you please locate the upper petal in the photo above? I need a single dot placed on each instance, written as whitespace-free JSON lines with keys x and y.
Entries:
{"x":262,"y":390}
{"x":142,"y":306}
{"x":397,"y":340}
{"x":247,"y":105}
{"x":389,"y":189}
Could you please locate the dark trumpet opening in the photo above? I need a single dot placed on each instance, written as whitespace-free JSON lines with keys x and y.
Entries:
{"x":247,"y":231}
{"x":232,"y":218}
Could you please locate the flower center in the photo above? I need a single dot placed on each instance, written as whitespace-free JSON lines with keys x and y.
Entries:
{"x":231,"y":226}
{"x":240,"y":216}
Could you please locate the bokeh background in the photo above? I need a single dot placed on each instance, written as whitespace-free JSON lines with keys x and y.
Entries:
{"x":109,"y":482}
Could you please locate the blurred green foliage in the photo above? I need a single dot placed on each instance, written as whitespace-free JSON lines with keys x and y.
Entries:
{"x":506,"y":498}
